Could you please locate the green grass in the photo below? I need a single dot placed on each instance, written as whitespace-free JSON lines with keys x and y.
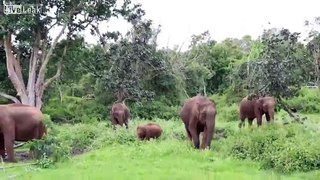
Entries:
{"x":166,"y":158}
{"x":170,"y":159}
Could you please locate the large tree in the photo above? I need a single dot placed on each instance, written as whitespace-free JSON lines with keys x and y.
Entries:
{"x":126,"y":65}
{"x":29,"y":47}
{"x":282,"y":66}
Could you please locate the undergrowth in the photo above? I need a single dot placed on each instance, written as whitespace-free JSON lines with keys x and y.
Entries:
{"x":283,"y":148}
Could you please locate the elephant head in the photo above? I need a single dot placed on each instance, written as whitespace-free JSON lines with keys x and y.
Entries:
{"x":267,"y":105}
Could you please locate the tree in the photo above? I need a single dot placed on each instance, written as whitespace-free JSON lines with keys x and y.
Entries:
{"x":208,"y":64}
{"x":197,"y":67}
{"x":125,"y":65}
{"x":314,"y":46}
{"x":279,"y":68}
{"x":29,"y":47}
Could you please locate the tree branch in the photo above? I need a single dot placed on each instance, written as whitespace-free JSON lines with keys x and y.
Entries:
{"x":50,"y":27}
{"x":58,"y":73}
{"x":11,"y":72}
{"x":17,"y":67}
{"x":53,"y":78}
{"x":48,"y":55}
{"x":32,"y":69}
{"x":7,"y":96}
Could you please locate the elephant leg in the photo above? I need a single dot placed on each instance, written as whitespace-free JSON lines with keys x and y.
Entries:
{"x":188,"y":132}
{"x":126,"y":123}
{"x":242,"y":122}
{"x":114,"y":123}
{"x":250,"y":120}
{"x":209,"y":135}
{"x":204,"y":138}
{"x":194,"y":134}
{"x":259,"y":120}
{"x":2,"y":150}
{"x":9,"y":135}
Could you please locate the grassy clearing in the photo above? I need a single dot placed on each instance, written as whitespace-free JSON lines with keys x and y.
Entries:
{"x":158,"y":160}
{"x":169,"y":157}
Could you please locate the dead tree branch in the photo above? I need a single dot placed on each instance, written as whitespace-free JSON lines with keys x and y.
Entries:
{"x":12,"y":98}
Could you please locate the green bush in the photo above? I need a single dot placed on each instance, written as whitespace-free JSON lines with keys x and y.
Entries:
{"x":228,"y":113}
{"x":51,"y":148}
{"x":79,"y":137}
{"x":154,"y":109}
{"x":283,"y":148}
{"x":307,"y":101}
{"x":75,"y":110}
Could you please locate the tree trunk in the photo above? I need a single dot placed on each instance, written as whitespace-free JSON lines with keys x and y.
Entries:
{"x":288,"y":110}
{"x":32,"y":94}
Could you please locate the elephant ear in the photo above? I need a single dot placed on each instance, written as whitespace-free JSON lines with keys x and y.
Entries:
{"x":260,"y":101}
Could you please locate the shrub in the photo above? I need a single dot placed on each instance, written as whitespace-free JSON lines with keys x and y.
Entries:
{"x":228,"y":113}
{"x":284,"y":148}
{"x":75,"y":110}
{"x":79,"y":137}
{"x":154,"y":109}
{"x":51,"y":148}
{"x":306,"y":101}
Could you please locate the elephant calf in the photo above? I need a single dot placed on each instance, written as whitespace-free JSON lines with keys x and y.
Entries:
{"x":120,"y":114}
{"x":198,"y":115}
{"x":148,"y":131}
{"x":21,"y":123}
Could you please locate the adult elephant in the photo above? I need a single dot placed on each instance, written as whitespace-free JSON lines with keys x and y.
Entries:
{"x":256,"y":107}
{"x":21,"y":123}
{"x":120,"y":114}
{"x":198,"y":115}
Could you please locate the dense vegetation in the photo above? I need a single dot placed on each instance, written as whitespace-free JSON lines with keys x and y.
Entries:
{"x":85,"y":80}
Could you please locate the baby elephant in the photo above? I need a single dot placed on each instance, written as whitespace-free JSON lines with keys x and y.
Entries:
{"x":148,"y":131}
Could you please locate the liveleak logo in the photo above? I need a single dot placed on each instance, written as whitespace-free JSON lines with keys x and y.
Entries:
{"x":22,"y":9}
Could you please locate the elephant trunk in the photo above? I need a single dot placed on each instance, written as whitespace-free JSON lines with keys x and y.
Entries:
{"x":271,"y":113}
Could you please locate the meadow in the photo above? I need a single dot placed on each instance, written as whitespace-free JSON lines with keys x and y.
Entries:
{"x":95,"y":151}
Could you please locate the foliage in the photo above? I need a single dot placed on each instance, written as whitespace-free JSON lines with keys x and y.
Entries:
{"x":126,"y":65}
{"x":29,"y":54}
{"x":208,"y":64}
{"x":279,"y":71}
{"x":307,"y":101}
{"x":5,"y":84}
{"x":70,"y":109}
{"x":154,"y":109}
{"x":51,"y":148}
{"x":276,"y":147}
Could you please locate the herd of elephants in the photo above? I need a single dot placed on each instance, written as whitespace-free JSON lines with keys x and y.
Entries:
{"x":20,"y":122}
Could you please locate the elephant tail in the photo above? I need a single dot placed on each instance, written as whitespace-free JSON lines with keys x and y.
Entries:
{"x":42,"y":129}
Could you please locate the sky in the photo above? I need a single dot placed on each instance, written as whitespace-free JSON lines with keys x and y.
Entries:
{"x":179,"y":19}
